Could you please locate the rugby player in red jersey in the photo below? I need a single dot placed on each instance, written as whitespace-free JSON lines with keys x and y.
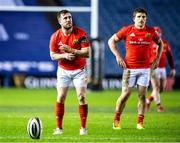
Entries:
{"x":136,"y":64}
{"x":158,"y":75}
{"x":70,"y":46}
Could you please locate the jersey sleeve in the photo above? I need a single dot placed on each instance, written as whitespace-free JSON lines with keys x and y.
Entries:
{"x":52,"y":45}
{"x":169,"y":55}
{"x":121,"y":33}
{"x":84,"y":40}
{"x":156,"y":37}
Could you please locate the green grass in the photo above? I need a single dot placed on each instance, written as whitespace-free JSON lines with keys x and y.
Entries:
{"x":18,"y":105}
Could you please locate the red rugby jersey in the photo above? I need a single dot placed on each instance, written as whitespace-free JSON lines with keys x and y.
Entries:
{"x":76,"y":40}
{"x":165,"y":53}
{"x":153,"y":51}
{"x":137,"y":43}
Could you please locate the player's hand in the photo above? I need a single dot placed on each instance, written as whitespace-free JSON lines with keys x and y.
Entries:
{"x":172,"y":73}
{"x":65,"y":48}
{"x":155,"y":63}
{"x":120,"y":62}
{"x":69,"y":56}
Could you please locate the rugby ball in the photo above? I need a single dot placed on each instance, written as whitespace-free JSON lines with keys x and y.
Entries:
{"x":34,"y":128}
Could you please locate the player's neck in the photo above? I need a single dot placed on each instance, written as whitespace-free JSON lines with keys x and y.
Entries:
{"x":67,"y":32}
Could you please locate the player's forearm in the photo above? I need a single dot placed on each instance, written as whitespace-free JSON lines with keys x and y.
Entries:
{"x":56,"y":56}
{"x":159,"y":51}
{"x":170,"y":59}
{"x":113,"y":47}
{"x":158,"y":56}
{"x":84,"y":52}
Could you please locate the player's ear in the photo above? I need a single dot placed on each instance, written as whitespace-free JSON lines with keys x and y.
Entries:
{"x":59,"y":21}
{"x":133,"y":19}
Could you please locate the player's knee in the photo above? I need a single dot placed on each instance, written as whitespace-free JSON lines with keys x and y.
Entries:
{"x":125,"y":97}
{"x":81,"y":98}
{"x":61,"y":98}
{"x":156,"y":88}
{"x":142,"y":97}
{"x":126,"y":91}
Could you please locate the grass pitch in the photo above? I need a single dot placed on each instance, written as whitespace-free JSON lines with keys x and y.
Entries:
{"x":18,"y":105}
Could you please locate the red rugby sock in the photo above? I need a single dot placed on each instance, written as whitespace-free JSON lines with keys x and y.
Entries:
{"x":59,"y":108}
{"x":83,"y":112}
{"x":140,"y":118}
{"x":116,"y":118}
{"x":150,"y":98}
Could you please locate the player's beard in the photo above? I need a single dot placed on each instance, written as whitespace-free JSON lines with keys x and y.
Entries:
{"x":68,"y":26}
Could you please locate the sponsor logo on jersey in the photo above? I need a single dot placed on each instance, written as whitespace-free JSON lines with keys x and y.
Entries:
{"x":132,"y":35}
{"x":60,"y":43}
{"x":147,"y":35}
{"x":75,"y":41}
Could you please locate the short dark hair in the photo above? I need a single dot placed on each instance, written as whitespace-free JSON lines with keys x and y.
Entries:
{"x":139,"y":10}
{"x":64,"y":11}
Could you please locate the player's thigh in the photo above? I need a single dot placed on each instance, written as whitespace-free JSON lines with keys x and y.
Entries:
{"x":80,"y":78}
{"x":142,"y":91}
{"x":126,"y":92}
{"x":163,"y":78}
{"x":155,"y":82}
{"x":61,"y":94}
{"x":144,"y":77}
{"x":81,"y":90}
{"x":163,"y":73}
{"x":63,"y":78}
{"x":153,"y":73}
{"x":128,"y":78}
{"x":162,"y":84}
